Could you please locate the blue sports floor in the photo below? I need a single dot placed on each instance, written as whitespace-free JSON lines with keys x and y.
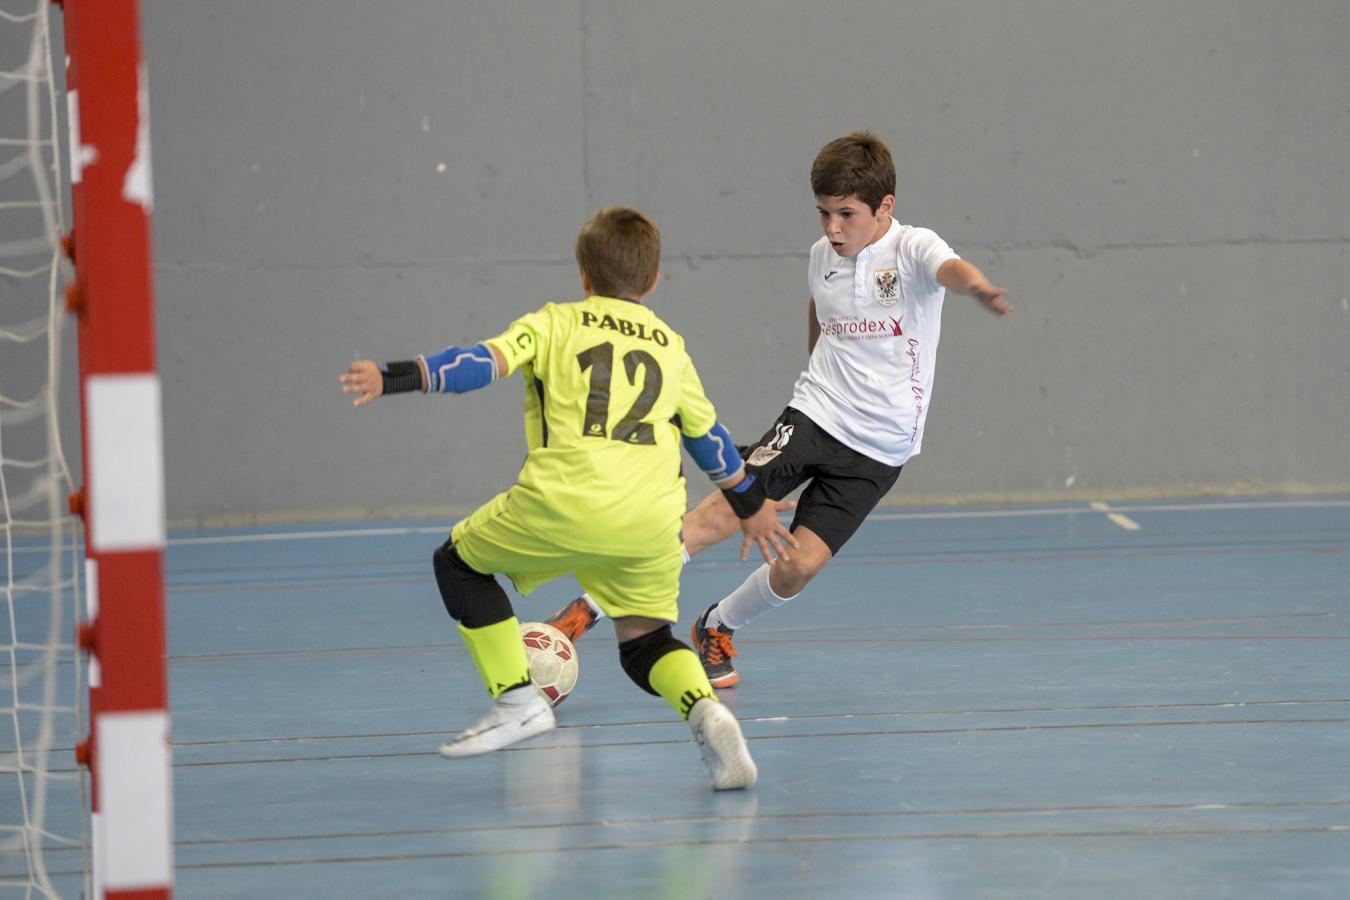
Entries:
{"x":1143,"y":700}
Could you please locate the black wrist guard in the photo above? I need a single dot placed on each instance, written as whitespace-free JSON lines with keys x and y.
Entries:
{"x":401,"y":377}
{"x":747,"y":497}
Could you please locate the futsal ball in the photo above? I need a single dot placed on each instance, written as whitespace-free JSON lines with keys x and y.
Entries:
{"x":553,"y":660}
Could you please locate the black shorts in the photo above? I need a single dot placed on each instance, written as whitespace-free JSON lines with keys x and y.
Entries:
{"x":845,"y":485}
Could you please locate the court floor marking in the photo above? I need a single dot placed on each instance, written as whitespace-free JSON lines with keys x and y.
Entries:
{"x":739,"y":840}
{"x":183,"y":590}
{"x":563,"y":728}
{"x":1135,"y":508}
{"x":899,"y":714}
{"x":263,"y":537}
{"x":1122,"y":520}
{"x":248,"y":577}
{"x":1017,"y":727}
{"x":441,"y":649}
{"x":767,"y":636}
{"x":822,"y":815}
{"x":891,"y":714}
{"x":742,"y":841}
{"x":786,"y":817}
{"x":879,"y":516}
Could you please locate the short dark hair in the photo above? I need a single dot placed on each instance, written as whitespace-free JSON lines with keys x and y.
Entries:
{"x":619,"y":249}
{"x":859,"y":164}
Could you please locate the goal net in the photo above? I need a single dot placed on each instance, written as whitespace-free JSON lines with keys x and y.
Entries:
{"x":43,"y":829}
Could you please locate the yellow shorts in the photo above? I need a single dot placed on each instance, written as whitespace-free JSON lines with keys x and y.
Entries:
{"x":494,"y":540}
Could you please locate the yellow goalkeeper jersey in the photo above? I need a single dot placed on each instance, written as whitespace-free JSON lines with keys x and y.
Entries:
{"x":609,"y":388}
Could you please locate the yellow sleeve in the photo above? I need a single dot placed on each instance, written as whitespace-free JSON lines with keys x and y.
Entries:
{"x":697,"y":416}
{"x":524,"y":340}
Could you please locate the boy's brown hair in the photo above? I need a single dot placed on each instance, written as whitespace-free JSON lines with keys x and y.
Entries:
{"x":856,"y":164}
{"x":619,"y":249}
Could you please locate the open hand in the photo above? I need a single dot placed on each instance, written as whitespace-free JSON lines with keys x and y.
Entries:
{"x":363,"y":377}
{"x":763,"y":528}
{"x":991,"y":298}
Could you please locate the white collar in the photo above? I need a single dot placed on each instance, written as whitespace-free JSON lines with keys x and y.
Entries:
{"x":885,"y":242}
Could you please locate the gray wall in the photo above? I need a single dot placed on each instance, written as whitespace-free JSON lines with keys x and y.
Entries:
{"x":1162,"y":186}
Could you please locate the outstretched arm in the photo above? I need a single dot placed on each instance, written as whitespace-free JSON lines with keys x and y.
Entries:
{"x":960,"y":277}
{"x":453,"y":370}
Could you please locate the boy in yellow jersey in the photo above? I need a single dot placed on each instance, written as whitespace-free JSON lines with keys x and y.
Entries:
{"x":610,"y":395}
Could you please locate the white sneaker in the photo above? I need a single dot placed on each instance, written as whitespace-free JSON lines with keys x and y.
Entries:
{"x":505,"y":724}
{"x":719,"y":739}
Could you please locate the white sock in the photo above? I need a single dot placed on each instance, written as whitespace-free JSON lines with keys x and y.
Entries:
{"x":517,"y":696}
{"x":600,"y":613}
{"x":752,"y":599}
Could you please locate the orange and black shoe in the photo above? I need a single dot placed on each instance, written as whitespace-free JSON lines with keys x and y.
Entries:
{"x":714,"y":649}
{"x":574,"y":619}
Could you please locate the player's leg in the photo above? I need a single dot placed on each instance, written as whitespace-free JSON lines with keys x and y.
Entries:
{"x":662,"y":665}
{"x":576,"y":617}
{"x":491,"y":633}
{"x":582,"y":614}
{"x":783,"y":460}
{"x":845,"y":487}
{"x":711,"y":522}
{"x":767,"y":587}
{"x":708,"y":523}
{"x":480,"y":545}
{"x":640,"y":597}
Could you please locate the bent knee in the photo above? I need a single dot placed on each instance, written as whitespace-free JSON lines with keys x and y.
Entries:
{"x":472,"y":598}
{"x":791,"y":575}
{"x":790,"y":578}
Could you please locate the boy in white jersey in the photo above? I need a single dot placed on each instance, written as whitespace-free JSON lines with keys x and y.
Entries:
{"x":857,"y":413}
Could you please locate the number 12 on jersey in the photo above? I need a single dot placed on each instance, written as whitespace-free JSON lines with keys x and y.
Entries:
{"x":630,"y":429}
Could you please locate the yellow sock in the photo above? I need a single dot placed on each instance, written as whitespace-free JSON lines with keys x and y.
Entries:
{"x":498,"y":654}
{"x":679,"y":678}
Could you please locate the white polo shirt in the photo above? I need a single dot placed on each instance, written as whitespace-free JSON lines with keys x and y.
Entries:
{"x":870,"y":379}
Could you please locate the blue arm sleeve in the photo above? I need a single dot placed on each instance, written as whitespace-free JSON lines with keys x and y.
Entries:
{"x":714,"y":452}
{"x":458,"y":369}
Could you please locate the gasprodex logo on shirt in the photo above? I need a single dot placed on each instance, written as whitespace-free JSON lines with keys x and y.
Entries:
{"x":857,"y":328}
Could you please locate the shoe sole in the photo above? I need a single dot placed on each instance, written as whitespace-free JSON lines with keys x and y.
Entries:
{"x":723,"y":739}
{"x":725,"y":681}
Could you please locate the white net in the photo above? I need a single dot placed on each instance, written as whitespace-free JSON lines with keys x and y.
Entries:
{"x":42,"y":792}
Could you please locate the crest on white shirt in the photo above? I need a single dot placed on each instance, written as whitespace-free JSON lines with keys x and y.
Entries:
{"x":886,"y":286}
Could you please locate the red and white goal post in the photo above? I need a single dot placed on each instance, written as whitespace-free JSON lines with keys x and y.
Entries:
{"x":122,"y":501}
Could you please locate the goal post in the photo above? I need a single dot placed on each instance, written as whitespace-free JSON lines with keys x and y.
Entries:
{"x":122,"y":501}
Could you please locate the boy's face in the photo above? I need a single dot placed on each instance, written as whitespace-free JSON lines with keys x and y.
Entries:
{"x":850,"y":224}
